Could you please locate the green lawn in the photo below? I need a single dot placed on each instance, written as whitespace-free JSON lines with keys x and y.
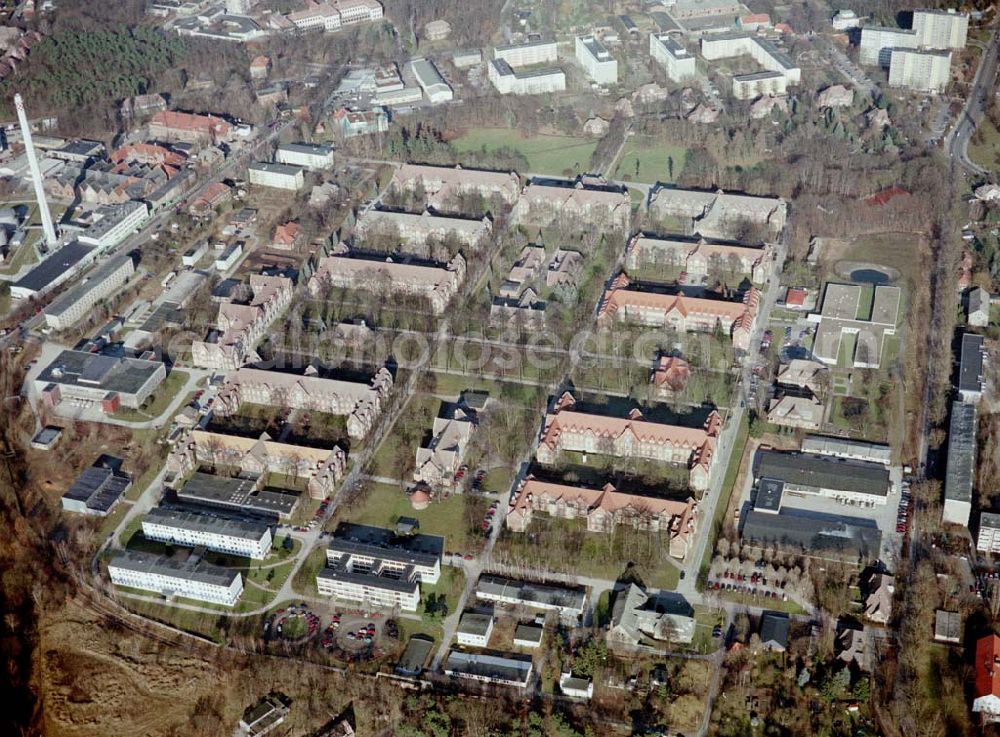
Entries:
{"x":866,"y":301}
{"x":653,"y":159}
{"x":845,"y":356}
{"x":546,"y":154}
{"x":305,"y":578}
{"x":984,"y":146}
{"x":384,"y":504}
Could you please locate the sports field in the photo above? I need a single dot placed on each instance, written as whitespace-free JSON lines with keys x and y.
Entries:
{"x":658,"y":162}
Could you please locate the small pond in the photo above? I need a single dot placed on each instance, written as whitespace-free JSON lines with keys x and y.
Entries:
{"x":870,"y":276}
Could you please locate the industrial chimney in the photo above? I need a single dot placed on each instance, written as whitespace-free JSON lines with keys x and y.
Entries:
{"x":36,"y":173}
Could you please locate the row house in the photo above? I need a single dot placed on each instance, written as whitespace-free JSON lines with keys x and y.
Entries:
{"x":679,"y":312}
{"x":604,"y":509}
{"x":442,"y":185}
{"x":414,"y":231}
{"x":630,"y":437}
{"x":585,"y":202}
{"x":361,"y":403}
{"x":321,"y":468}
{"x":717,"y":214}
{"x":240,"y":327}
{"x":698,"y":259}
{"x":437,"y":284}
{"x":107,"y":183}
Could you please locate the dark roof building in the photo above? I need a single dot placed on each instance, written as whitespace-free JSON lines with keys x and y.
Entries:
{"x":793,"y":529}
{"x":53,"y":271}
{"x":774,"y":628}
{"x":961,"y":470}
{"x":238,"y":495}
{"x":91,"y":378}
{"x":98,"y":488}
{"x":970,"y":368}
{"x":493,"y":667}
{"x":824,"y":475}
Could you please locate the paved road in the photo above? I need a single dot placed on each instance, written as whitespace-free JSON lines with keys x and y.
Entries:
{"x":957,"y":141}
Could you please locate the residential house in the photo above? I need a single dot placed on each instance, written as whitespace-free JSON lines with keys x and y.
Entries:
{"x":700,"y":260}
{"x":584,"y":202}
{"x":774,"y":629}
{"x":286,"y":236}
{"x":240,"y":327}
{"x":852,"y":647}
{"x":564,"y":268}
{"x":604,"y":509}
{"x":624,"y":301}
{"x":879,"y":589}
{"x":633,"y":437}
{"x":804,"y":374}
{"x":361,"y":403}
{"x":803,"y":411}
{"x":351,"y":123}
{"x":947,"y":626}
{"x":670,"y":376}
{"x":979,"y":308}
{"x":638,"y":615}
{"x":437,"y":284}
{"x":439,"y":461}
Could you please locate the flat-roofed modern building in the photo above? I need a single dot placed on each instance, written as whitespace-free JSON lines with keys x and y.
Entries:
{"x":568,"y":601}
{"x":923,"y":70}
{"x":235,"y":494}
{"x":114,"y":223}
{"x":988,"y":540}
{"x":528,"y":54}
{"x":62,"y":265}
{"x":970,"y":368}
{"x":779,"y":73}
{"x":71,"y":307}
{"x":854,"y":482}
{"x":801,"y":531}
{"x":509,"y":80}
{"x":941,"y":29}
{"x":855,"y":450}
{"x":431,"y":82}
{"x":85,"y":379}
{"x":672,"y":56}
{"x":506,"y":669}
{"x":231,"y":536}
{"x":961,"y":469}
{"x":877,"y":43}
{"x":191,"y":578}
{"x":309,"y":155}
{"x":596,"y":60}
{"x":529,"y":635}
{"x":474,"y":629}
{"x":98,"y":489}
{"x":277,"y":176}
{"x":376,"y":567}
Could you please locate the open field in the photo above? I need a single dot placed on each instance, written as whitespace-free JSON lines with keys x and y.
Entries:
{"x":546,"y":154}
{"x":453,"y":518}
{"x":984,"y":146}
{"x":565,"y":546}
{"x":649,"y":161}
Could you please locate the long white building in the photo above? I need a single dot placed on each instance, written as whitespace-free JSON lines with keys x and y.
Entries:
{"x":672,"y":56}
{"x":779,"y":71}
{"x":511,"y":81}
{"x":233,"y":537}
{"x":277,"y":176}
{"x":877,"y":43}
{"x":923,"y":70}
{"x":932,"y":29}
{"x":77,"y":303}
{"x":596,"y":60}
{"x":191,"y":578}
{"x":114,"y":223}
{"x":309,"y":155}
{"x":528,"y":54}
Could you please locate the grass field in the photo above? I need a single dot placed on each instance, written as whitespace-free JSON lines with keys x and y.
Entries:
{"x":384,"y":504}
{"x":654,"y":160}
{"x":546,"y":154}
{"x":901,"y":251}
{"x":986,"y":152}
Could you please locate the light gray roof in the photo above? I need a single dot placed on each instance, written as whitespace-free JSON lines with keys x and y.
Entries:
{"x":198,"y":522}
{"x":501,"y":666}
{"x":474,"y":623}
{"x":317,"y":149}
{"x":191,"y":569}
{"x":970,"y":371}
{"x":527,"y":592}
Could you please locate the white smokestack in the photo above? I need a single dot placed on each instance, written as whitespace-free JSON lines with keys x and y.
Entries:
{"x":36,"y":173}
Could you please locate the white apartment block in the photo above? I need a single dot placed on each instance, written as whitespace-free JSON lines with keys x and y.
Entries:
{"x":596,"y":60}
{"x":921,"y":70}
{"x":191,"y":578}
{"x":77,"y":303}
{"x":941,"y":29}
{"x":780,"y":72}
{"x":528,"y":54}
{"x":474,"y":629}
{"x":361,"y":403}
{"x":436,"y":284}
{"x":228,"y":258}
{"x":331,"y":16}
{"x":114,"y":223}
{"x":989,"y":533}
{"x":672,"y":56}
{"x":510,"y":81}
{"x":277,"y":176}
{"x":232,"y":537}
{"x":878,"y":42}
{"x":308,"y":155}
